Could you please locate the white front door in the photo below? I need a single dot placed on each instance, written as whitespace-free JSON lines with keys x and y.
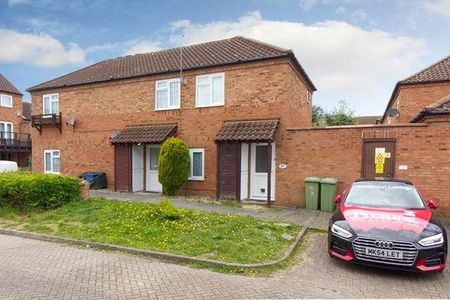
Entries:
{"x":138,"y":168}
{"x":244,"y":171}
{"x":152,"y":184}
{"x":258,"y":177}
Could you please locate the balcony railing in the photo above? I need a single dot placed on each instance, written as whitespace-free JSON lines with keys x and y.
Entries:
{"x":12,"y":141}
{"x":46,"y":120}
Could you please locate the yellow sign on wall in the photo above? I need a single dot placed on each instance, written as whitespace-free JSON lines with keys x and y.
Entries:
{"x":379,"y":163}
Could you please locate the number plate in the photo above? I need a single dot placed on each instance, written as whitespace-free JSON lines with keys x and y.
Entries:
{"x":384,"y":253}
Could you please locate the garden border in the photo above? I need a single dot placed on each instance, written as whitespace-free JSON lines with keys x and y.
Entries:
{"x":156,"y":254}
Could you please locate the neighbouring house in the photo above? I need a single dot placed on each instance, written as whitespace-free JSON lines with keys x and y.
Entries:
{"x":230,"y":100}
{"x":367,"y":120}
{"x":412,"y":142}
{"x":413,"y":95}
{"x":15,"y":143}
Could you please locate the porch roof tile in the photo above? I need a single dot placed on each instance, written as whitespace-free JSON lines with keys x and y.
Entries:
{"x":247,"y":131}
{"x":149,"y":134}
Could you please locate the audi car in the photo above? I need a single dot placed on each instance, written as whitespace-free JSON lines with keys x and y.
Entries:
{"x":386,"y":223}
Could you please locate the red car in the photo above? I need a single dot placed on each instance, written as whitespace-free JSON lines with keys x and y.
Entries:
{"x":386,"y":223}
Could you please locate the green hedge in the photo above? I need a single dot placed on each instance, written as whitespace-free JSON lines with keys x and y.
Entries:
{"x":26,"y":190}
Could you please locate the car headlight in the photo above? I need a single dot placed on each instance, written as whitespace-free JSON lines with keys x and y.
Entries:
{"x":339,"y":231}
{"x":433,"y":240}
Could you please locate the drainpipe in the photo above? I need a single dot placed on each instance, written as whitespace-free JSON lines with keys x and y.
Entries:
{"x":269,"y":171}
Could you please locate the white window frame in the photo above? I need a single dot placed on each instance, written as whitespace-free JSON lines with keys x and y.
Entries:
{"x":191,"y":154}
{"x":11,"y":133}
{"x":168,"y":81}
{"x":210,"y":77}
{"x":51,"y":101}
{"x":51,"y":158}
{"x":2,"y":97}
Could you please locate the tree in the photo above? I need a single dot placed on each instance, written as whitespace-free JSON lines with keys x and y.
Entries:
{"x":340,"y":115}
{"x":318,"y":116}
{"x":173,"y":165}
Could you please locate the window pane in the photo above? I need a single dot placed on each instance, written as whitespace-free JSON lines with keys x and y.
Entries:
{"x":197,"y":164}
{"x":162,"y":100}
{"x":154,"y":156}
{"x":261,"y":162}
{"x":48,"y":162}
{"x":217,"y":90}
{"x":2,"y":127}
{"x":6,"y":100}
{"x":174,"y":94}
{"x":203,"y":95}
{"x":56,"y":165}
{"x":161,"y":84}
{"x":55,"y":107}
{"x":203,"y":80}
{"x":47,"y":109}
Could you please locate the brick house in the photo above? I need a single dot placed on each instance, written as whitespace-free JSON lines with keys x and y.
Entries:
{"x":15,"y":143}
{"x":420,"y":94}
{"x":231,"y":102}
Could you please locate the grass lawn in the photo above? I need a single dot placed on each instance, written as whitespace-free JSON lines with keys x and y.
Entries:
{"x":161,"y":227}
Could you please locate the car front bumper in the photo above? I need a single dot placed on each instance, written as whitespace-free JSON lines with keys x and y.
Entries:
{"x":427,"y":259}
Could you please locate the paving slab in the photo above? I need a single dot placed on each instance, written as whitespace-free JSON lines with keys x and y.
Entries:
{"x":31,"y":269}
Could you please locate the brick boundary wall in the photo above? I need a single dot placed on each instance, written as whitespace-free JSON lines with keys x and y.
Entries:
{"x":336,"y":152}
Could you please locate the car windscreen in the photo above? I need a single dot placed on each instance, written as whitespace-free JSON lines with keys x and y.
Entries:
{"x":384,"y":194}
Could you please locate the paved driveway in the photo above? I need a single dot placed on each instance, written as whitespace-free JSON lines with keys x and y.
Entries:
{"x":35,"y":269}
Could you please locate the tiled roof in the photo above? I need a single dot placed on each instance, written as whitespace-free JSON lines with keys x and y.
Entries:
{"x":439,"y":71}
{"x":365,"y":120}
{"x":247,"y":131}
{"x":26,"y":110}
{"x":6,"y":86}
{"x":152,"y":134}
{"x":222,"y":52}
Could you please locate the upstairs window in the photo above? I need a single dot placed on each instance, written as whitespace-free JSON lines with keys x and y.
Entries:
{"x":197,"y":168}
{"x":167,"y":94}
{"x":6,"y":131}
{"x":6,"y":100}
{"x":52,"y":161}
{"x":50,"y":104}
{"x":210,"y":90}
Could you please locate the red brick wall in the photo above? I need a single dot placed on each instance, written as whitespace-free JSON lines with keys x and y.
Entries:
{"x":336,"y":152}
{"x":14,"y":115}
{"x":8,"y":114}
{"x":411,"y":99}
{"x":269,"y":89}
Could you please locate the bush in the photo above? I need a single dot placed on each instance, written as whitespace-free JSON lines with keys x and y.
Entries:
{"x":173,"y":165}
{"x":165,"y":210}
{"x":26,"y":190}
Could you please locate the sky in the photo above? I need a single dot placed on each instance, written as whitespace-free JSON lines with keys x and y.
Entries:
{"x":353,"y":50}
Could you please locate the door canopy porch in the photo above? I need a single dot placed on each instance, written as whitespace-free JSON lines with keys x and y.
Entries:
{"x":257,"y":131}
{"x":149,"y":134}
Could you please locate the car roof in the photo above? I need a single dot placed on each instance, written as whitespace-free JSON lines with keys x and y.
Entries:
{"x":382,"y":179}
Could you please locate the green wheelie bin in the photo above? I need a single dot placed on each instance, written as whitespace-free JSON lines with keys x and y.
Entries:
{"x":327,"y":192}
{"x":312,"y":192}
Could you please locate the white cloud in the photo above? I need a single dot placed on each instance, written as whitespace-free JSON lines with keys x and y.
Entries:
{"x":142,"y":47}
{"x":439,"y":7}
{"x":37,"y":49}
{"x":344,"y":61}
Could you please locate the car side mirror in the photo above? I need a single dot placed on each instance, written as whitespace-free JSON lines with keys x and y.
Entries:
{"x":432,"y":204}
{"x":338,"y":199}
